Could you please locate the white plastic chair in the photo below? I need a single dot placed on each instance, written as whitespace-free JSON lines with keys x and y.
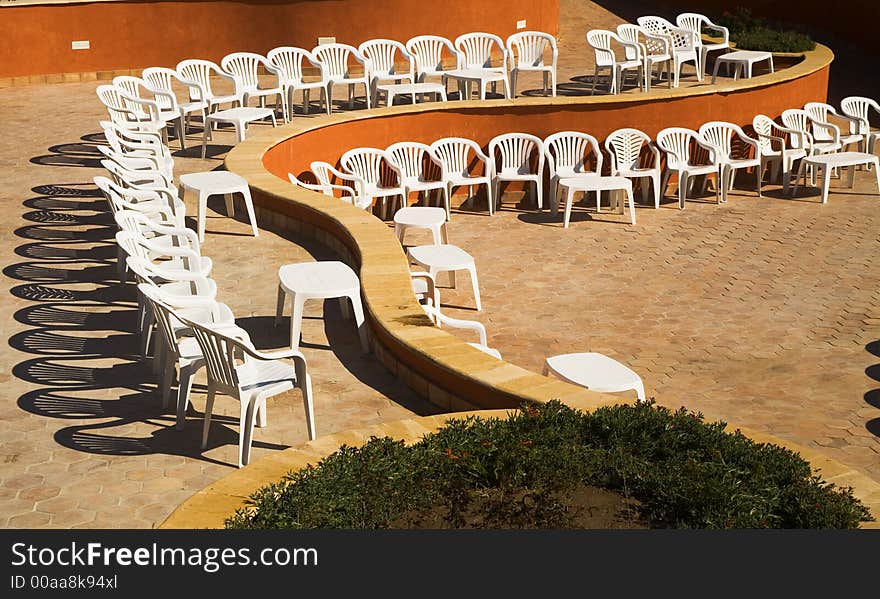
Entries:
{"x":156,"y":204}
{"x":803,"y":122}
{"x":141,"y":102}
{"x":428,"y":52}
{"x":517,"y":157}
{"x":198,"y":73}
{"x":236,"y":368}
{"x":366,"y":165}
{"x":114,"y":100}
{"x":859,"y":108}
{"x":721,"y":136}
{"x":413,"y":160}
{"x":625,"y":147}
{"x":683,"y":44}
{"x":526,"y":51}
{"x":820,"y":113}
{"x":180,"y":289}
{"x":325,"y":174}
{"x":289,"y":62}
{"x":456,"y":323}
{"x":245,"y":69}
{"x":381,"y":64}
{"x":162,"y":79}
{"x":171,"y":258}
{"x":475,"y":54}
{"x":776,"y":150}
{"x":180,"y":350}
{"x":654,"y":51}
{"x":334,"y":61}
{"x":600,"y":40}
{"x":676,"y":143}
{"x":696,"y":22}
{"x":568,"y":154}
{"x":147,"y":147}
{"x":454,"y":156}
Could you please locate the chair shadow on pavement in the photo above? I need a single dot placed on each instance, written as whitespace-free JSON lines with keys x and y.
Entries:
{"x":81,"y":324}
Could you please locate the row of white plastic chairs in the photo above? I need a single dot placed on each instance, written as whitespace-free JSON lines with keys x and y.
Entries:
{"x":655,"y":41}
{"x":151,"y":98}
{"x":521,"y":157}
{"x":178,"y":298}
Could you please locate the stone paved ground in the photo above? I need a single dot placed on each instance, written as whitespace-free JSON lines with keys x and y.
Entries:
{"x":760,"y":311}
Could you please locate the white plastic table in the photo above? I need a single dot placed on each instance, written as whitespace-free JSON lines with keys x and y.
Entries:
{"x":596,"y":372}
{"x":482,"y":77}
{"x":742,"y":61}
{"x":239,"y":118}
{"x":598,"y":183}
{"x":828,"y":162}
{"x":412,"y":89}
{"x":448,"y":258}
{"x":319,"y":280}
{"x":421,"y":217}
{"x":217,"y":183}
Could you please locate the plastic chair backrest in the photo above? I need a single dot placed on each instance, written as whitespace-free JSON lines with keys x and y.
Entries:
{"x":676,"y":142}
{"x":334,"y":58}
{"x":289,"y":60}
{"x":381,"y":54}
{"x":365,"y":163}
{"x":161,"y":78}
{"x":409,"y":156}
{"x":569,"y":149}
{"x":475,"y":49}
{"x":244,"y":66}
{"x":625,"y":146}
{"x":516,"y":150}
{"x":454,"y":153}
{"x":529,"y":47}
{"x":427,"y":51}
{"x":600,"y":41}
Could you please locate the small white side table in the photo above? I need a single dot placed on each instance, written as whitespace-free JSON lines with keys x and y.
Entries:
{"x":438,"y":90}
{"x":742,"y":60}
{"x":598,"y":183}
{"x":239,"y":118}
{"x":319,"y":280}
{"x":828,"y":162}
{"x":449,"y":258}
{"x":596,"y":372}
{"x":421,"y":217}
{"x":217,"y":183}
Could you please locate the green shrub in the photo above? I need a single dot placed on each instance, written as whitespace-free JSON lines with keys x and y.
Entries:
{"x":682,"y":471}
{"x":753,"y":33}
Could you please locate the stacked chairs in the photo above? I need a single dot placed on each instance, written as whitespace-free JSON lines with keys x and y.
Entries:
{"x":176,"y":296}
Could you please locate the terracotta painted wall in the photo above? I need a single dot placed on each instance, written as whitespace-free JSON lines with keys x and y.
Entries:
{"x":598,"y":119}
{"x":36,"y":39}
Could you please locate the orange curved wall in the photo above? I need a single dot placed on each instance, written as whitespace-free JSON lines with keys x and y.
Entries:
{"x":598,"y":119}
{"x":36,"y":40}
